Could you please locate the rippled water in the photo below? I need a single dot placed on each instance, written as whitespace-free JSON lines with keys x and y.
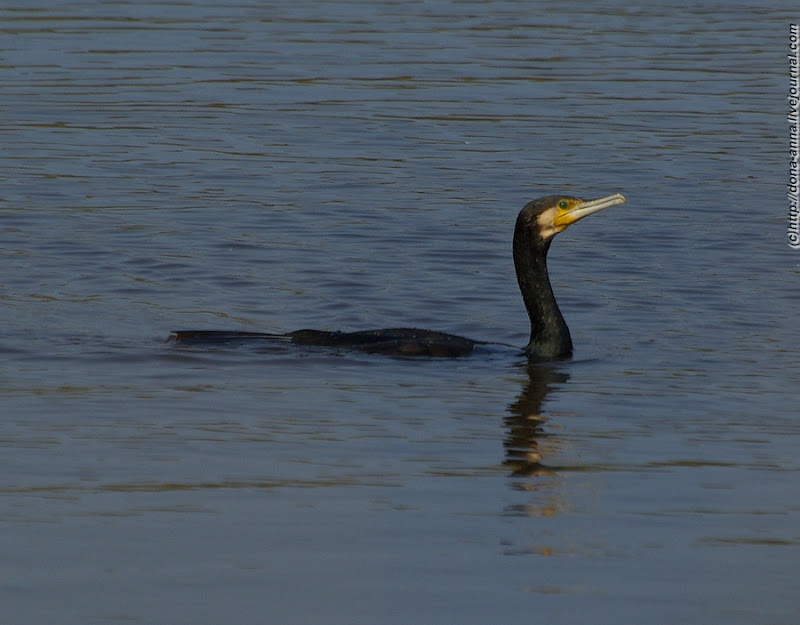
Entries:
{"x":264,"y":166}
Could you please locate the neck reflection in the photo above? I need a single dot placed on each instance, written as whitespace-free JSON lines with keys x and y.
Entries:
{"x":526,"y":437}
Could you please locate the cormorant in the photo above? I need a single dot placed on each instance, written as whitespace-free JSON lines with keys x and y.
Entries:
{"x":538,"y":222}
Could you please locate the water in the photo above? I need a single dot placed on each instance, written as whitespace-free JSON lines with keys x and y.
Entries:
{"x":352,"y":165}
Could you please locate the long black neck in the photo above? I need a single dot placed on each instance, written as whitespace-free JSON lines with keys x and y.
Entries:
{"x":550,"y":339}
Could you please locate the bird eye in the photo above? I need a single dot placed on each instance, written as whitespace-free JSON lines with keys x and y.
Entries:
{"x":562,"y":204}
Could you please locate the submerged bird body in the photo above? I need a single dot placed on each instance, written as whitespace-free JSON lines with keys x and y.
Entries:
{"x":538,"y":222}
{"x":393,"y":341}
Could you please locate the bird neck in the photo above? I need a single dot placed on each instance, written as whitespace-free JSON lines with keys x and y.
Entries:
{"x":550,"y":339}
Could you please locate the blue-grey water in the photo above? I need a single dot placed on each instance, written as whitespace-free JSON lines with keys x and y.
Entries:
{"x":348,"y":165}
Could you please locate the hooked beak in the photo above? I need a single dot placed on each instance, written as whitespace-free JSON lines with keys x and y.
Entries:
{"x":568,"y":216}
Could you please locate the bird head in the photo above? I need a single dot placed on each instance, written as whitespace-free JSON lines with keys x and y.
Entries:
{"x":550,"y":215}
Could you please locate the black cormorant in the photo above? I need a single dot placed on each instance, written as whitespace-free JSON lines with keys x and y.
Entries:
{"x":538,"y":222}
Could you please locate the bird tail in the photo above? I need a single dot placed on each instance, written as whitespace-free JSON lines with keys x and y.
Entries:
{"x":205,"y":337}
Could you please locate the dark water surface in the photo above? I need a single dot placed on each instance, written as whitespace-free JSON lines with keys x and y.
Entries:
{"x":347,"y":165}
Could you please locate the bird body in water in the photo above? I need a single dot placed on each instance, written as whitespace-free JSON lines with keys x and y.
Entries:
{"x":538,"y":222}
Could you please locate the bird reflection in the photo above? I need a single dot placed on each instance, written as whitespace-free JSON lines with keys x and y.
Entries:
{"x":525,"y":423}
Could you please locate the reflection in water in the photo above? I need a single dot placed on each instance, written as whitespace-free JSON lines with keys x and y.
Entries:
{"x":525,"y":425}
